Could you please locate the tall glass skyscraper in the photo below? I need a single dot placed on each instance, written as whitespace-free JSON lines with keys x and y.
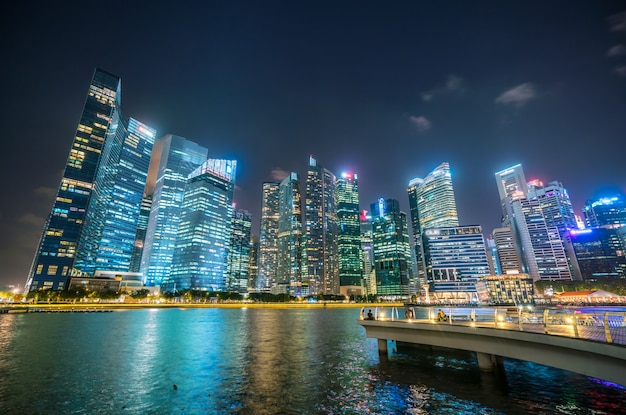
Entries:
{"x":320,"y":230}
{"x":239,"y":252}
{"x":108,"y":237}
{"x":556,"y":204}
{"x":268,"y":238}
{"x":432,"y":204}
{"x":57,"y":248}
{"x":200,"y":259}
{"x":349,"y":235}
{"x":140,"y":235}
{"x":290,"y":249}
{"x":178,"y":157}
{"x":607,"y":212}
{"x":392,"y":248}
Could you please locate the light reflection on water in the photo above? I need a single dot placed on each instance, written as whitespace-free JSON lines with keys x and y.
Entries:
{"x":259,"y":361}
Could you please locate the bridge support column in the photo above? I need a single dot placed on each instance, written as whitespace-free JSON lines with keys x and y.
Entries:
{"x":382,"y":346}
{"x":487,"y":362}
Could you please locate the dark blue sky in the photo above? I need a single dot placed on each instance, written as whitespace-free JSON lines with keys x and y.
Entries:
{"x":385,"y":89}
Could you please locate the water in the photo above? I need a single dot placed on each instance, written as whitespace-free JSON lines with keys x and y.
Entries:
{"x":259,"y":361}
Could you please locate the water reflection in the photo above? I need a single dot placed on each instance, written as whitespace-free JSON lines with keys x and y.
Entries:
{"x":259,"y":361}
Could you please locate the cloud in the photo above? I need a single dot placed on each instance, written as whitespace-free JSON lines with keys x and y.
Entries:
{"x":421,"y":123}
{"x":453,"y":84}
{"x":517,"y":96}
{"x":45,"y":192}
{"x":617,"y":22}
{"x":31,"y":219}
{"x":616,"y":50}
{"x":277,"y":174}
{"x":620,"y":71}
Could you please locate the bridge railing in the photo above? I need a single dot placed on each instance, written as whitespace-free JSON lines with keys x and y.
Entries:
{"x":596,"y":325}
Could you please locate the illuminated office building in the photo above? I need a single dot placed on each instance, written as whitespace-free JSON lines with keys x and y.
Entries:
{"x":600,"y":253}
{"x":268,"y":239}
{"x":178,"y":158}
{"x":507,"y":253}
{"x":555,"y":204}
{"x":253,"y":274}
{"x":140,"y":235}
{"x":456,"y":259}
{"x":108,"y":237}
{"x":239,"y":252}
{"x":57,"y":247}
{"x":200,"y":259}
{"x":349,"y":235}
{"x":606,"y":212}
{"x":367,"y":252}
{"x":290,"y":250}
{"x":392,"y":248}
{"x":432,"y":204}
{"x":320,"y":230}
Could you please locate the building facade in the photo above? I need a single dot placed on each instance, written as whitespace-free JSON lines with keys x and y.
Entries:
{"x":108,"y":236}
{"x":239,"y":252}
{"x":320,"y":230}
{"x":200,"y":260}
{"x":268,"y":238}
{"x":178,"y":158}
{"x":349,"y":235}
{"x":289,"y":277}
{"x":58,"y":244}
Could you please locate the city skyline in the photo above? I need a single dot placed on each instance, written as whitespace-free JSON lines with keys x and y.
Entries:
{"x":386,"y":92}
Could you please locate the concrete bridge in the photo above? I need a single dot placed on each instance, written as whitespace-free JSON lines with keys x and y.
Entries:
{"x":589,"y":343}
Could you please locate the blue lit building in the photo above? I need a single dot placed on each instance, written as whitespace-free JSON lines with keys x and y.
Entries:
{"x":57,"y":247}
{"x":200,"y":259}
{"x":349,"y":235}
{"x":140,"y":235}
{"x":600,"y":253}
{"x":178,"y":158}
{"x":606,"y":212}
{"x":239,"y":252}
{"x":392,"y":248}
{"x":108,"y":236}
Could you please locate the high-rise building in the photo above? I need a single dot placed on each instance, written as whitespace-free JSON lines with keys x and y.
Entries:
{"x":392,"y":248}
{"x":320,"y":230}
{"x":507,"y":252}
{"x":290,"y":250}
{"x":606,"y":212}
{"x":432,"y":204}
{"x":456,"y":260}
{"x":512,"y":182}
{"x":253,"y":273}
{"x":200,"y":259}
{"x":268,"y":238}
{"x":178,"y":158}
{"x":239,"y":252}
{"x":349,"y":235}
{"x":556,"y":204}
{"x":57,"y":247}
{"x":600,"y":253}
{"x":140,"y":235}
{"x":107,"y":240}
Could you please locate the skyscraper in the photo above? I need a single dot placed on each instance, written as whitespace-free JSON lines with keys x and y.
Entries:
{"x":268,"y":238}
{"x":55,"y":254}
{"x":392,"y":248}
{"x":320,"y":230}
{"x":253,"y":274}
{"x":140,"y":235}
{"x":456,"y":260}
{"x":349,"y":235}
{"x":290,"y":250}
{"x":178,"y":158}
{"x":200,"y":258}
{"x":511,"y":182}
{"x":239,"y":252}
{"x":108,"y":236}
{"x":606,"y":212}
{"x":556,"y":204}
{"x":599,"y":252}
{"x":432,"y":205}
{"x":506,"y":250}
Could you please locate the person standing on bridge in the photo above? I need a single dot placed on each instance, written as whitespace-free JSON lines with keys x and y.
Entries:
{"x":441,"y":316}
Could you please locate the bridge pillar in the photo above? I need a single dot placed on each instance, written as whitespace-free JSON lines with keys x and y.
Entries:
{"x":486,"y":362}
{"x":382,"y":346}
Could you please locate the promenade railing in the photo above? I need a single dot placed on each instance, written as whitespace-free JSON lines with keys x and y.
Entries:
{"x":601,"y":325}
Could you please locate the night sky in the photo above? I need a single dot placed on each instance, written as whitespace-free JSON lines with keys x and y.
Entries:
{"x":387,"y":90}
